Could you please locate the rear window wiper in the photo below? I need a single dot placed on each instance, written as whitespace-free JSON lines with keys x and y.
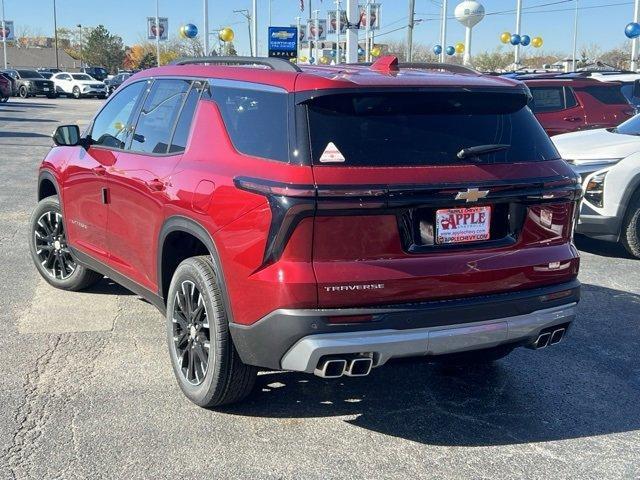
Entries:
{"x":481,"y":150}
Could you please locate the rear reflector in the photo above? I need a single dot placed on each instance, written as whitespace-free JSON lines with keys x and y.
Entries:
{"x":350,"y":319}
{"x":556,"y":295}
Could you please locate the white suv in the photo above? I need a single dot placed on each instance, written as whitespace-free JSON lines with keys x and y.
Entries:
{"x":78,"y":85}
{"x":608,"y":160}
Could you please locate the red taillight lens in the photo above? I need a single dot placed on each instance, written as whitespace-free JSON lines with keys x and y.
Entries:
{"x":350,"y":319}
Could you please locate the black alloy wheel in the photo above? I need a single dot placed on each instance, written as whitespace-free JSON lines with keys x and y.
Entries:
{"x":191,"y":335}
{"x":51,"y":246}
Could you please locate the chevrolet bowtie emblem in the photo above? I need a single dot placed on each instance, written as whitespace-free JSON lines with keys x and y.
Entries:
{"x":472,"y":195}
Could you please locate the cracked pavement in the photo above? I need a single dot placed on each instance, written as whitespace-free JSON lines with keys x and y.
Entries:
{"x":87,"y":390}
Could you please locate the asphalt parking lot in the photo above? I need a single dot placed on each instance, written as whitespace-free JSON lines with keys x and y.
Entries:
{"x":87,"y":391}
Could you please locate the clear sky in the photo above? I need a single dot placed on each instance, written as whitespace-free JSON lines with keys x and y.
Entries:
{"x":601,"y":22}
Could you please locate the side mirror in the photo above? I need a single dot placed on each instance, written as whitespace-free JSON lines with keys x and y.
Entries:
{"x":67,"y":136}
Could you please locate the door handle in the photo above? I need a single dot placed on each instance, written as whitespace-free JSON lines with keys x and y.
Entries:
{"x":156,"y":185}
{"x":572,"y":119}
{"x":99,"y":170}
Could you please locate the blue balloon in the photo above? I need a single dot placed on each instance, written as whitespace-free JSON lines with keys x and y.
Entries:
{"x":525,"y":40}
{"x":437,"y":49}
{"x":332,"y":53}
{"x":312,"y":60}
{"x":360,"y":51}
{"x":450,"y":50}
{"x":190,"y":30}
{"x":632,"y":30}
{"x":515,"y":39}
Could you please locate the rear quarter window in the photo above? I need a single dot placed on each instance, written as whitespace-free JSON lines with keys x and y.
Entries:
{"x":547,"y":99}
{"x":607,"y":95}
{"x":256,"y":121}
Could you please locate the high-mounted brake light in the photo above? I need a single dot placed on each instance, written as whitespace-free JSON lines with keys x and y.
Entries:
{"x":388,"y":63}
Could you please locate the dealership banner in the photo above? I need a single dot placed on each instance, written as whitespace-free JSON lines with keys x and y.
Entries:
{"x":163,"y":29}
{"x":7,"y":33}
{"x":332,"y":18}
{"x":374,"y":21}
{"x":317,"y":29}
{"x":283,"y":42}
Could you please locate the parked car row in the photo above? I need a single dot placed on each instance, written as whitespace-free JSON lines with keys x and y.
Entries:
{"x":31,"y":83}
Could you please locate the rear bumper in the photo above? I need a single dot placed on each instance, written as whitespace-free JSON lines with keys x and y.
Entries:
{"x":294,"y":339}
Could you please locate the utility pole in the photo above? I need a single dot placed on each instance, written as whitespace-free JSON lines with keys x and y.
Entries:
{"x":254,"y":15}
{"x":516,"y":58}
{"x":338,"y":28}
{"x":245,"y":13}
{"x":443,"y":31}
{"x":575,"y":39}
{"x":310,"y":44}
{"x":367,"y":32}
{"x":55,"y":33}
{"x":4,"y":37}
{"x":316,"y":14}
{"x":80,"y":41}
{"x":353,"y":14}
{"x":158,"y":31}
{"x":298,"y":39}
{"x":205,"y":26}
{"x":634,"y":42}
{"x":412,"y":12}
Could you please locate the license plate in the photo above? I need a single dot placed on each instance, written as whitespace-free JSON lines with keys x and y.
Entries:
{"x":46,"y":89}
{"x":459,"y":225}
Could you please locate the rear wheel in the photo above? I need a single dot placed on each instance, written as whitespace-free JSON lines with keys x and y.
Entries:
{"x":4,"y":99}
{"x":50,"y":252}
{"x":204,"y":359}
{"x":631,"y":227}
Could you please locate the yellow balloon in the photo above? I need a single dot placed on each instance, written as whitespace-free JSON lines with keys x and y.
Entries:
{"x":505,"y":37}
{"x":324,"y":60}
{"x":375,"y":51}
{"x":459,"y":47}
{"x":226,"y":34}
{"x":537,"y":42}
{"x":303,"y":59}
{"x":118,"y":126}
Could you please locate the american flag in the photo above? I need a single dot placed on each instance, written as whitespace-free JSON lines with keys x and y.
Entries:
{"x":302,"y":5}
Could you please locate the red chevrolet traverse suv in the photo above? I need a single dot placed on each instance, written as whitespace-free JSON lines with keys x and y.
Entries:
{"x":316,"y":219}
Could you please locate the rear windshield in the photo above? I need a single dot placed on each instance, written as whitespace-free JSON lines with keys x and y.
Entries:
{"x":412,"y":129}
{"x":607,"y":95}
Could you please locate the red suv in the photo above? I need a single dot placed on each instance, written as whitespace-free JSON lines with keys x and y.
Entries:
{"x":316,"y":219}
{"x":571,"y":104}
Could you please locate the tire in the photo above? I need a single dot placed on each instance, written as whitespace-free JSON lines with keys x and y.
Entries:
{"x":223,"y":379}
{"x":630,"y":234}
{"x":4,"y":99}
{"x":23,"y":92}
{"x":52,"y":256}
{"x":476,"y":357}
{"x":102,"y":97}
{"x":52,"y":95}
{"x":76,"y":93}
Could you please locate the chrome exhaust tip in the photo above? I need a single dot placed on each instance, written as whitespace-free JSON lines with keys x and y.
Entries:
{"x":542,"y":340}
{"x":359,"y":367}
{"x":557,"y":336}
{"x":331,"y":368}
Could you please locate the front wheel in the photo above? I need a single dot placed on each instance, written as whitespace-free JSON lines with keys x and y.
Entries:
{"x":23,"y":92}
{"x":76,"y":93}
{"x":50,"y":252}
{"x":204,"y":359}
{"x":631,"y":228}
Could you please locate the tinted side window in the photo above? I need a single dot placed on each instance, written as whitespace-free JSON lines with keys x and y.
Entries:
{"x":183,"y":127}
{"x":113,"y":124}
{"x":255,"y":120}
{"x":570,"y":98}
{"x":607,"y":95}
{"x":547,"y":99}
{"x":158,"y":116}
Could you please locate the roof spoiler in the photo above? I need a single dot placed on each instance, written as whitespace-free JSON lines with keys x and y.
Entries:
{"x":277,"y":64}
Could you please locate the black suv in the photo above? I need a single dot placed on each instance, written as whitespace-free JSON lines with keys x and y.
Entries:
{"x":99,"y":73}
{"x":29,"y":83}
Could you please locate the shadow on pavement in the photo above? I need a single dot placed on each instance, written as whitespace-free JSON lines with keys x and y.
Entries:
{"x":27,"y":105}
{"x":600,"y":247}
{"x":23,"y":135}
{"x":108,"y":287}
{"x":30,"y":120}
{"x":588,"y":385}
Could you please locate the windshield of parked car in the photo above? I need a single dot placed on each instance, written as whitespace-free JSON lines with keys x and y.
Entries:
{"x":29,"y":74}
{"x":630,"y":127}
{"x":412,"y":129}
{"x":81,"y":76}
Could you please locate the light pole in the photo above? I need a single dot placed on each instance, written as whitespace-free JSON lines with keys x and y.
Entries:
{"x":352,"y":31}
{"x":80,"y":41}
{"x":158,"y":31}
{"x":412,"y":13}
{"x":634,"y":42}
{"x":55,"y":33}
{"x":575,"y":38}
{"x":516,"y":59}
{"x":4,"y":37}
{"x":443,"y":31}
{"x":205,"y":26}
{"x":254,"y":15}
{"x":245,"y":13}
{"x":338,"y":28}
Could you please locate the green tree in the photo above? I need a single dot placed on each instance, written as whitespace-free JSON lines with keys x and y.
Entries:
{"x":148,"y":60}
{"x":104,"y":49}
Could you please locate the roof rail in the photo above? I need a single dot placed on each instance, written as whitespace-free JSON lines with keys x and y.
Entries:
{"x":277,"y":64}
{"x":440,"y":66}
